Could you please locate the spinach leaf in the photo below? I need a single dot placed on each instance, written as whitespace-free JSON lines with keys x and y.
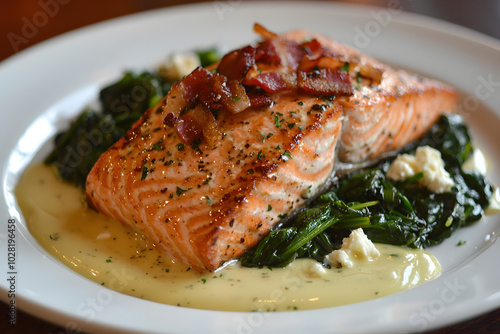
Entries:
{"x":399,"y":213}
{"x":121,"y":105}
{"x":93,"y":132}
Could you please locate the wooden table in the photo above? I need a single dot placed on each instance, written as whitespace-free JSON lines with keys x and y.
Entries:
{"x":65,"y":15}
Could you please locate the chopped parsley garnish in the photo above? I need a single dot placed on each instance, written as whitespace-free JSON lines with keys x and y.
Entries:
{"x":145,"y":172}
{"x":180,"y":191}
{"x":288,"y":155}
{"x":158,"y":146}
{"x":345,"y":68}
{"x":277,"y":121}
{"x":260,"y":155}
{"x":196,"y":143}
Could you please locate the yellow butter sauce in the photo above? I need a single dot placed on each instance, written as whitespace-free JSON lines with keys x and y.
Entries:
{"x":108,"y":253}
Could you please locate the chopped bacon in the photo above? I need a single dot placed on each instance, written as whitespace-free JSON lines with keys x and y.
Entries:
{"x":211,"y":132}
{"x":308,"y":65}
{"x":185,"y":92}
{"x":289,"y":52}
{"x":196,"y":124}
{"x":189,"y":128}
{"x":279,"y":52}
{"x":315,"y":50}
{"x":325,"y":82}
{"x":370,"y":72}
{"x":266,"y":54}
{"x":236,"y":64}
{"x":170,"y":119}
{"x":270,"y":82}
{"x":244,"y":78}
{"x":263,"y":32}
{"x":258,"y":99}
{"x":232,"y":94}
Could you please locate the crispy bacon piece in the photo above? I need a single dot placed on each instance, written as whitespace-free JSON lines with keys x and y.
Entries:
{"x":282,"y":52}
{"x":243,"y":77}
{"x":257,"y":97}
{"x":184,"y":93}
{"x":369,"y":72}
{"x":308,"y":64}
{"x":197,"y":124}
{"x":236,"y":64}
{"x":266,"y":54}
{"x":263,"y":32}
{"x":189,"y":128}
{"x":325,"y":82}
{"x":270,"y":82}
{"x":232,"y":94}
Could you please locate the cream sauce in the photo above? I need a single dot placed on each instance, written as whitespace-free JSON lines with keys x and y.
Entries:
{"x":108,"y":253}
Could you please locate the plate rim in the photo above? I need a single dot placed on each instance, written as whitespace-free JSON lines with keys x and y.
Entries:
{"x":444,"y":27}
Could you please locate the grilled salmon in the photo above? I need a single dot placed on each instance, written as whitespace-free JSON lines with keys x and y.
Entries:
{"x":389,"y":108}
{"x":230,"y":152}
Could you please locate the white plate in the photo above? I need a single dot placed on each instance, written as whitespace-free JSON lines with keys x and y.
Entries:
{"x":51,"y":82}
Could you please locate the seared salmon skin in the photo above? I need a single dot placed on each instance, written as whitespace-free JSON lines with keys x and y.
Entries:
{"x":233,"y":150}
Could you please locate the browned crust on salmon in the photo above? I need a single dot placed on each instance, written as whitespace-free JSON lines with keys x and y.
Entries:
{"x":207,"y":205}
{"x":384,"y":115}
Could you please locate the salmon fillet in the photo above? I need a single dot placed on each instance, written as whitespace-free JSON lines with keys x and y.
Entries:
{"x":226,"y":156}
{"x":388,"y":110}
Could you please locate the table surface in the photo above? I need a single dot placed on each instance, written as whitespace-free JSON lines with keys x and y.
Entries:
{"x":482,"y":16}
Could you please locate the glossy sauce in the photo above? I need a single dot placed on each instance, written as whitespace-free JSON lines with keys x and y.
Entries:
{"x":106,"y":252}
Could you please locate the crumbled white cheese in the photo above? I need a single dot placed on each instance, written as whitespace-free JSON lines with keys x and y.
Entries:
{"x":315,"y":269}
{"x":178,"y":65}
{"x":476,"y":162}
{"x":494,"y":206}
{"x":426,"y":160}
{"x":356,"y":247}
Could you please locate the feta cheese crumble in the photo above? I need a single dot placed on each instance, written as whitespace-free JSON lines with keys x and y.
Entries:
{"x":178,"y":66}
{"x":356,"y":247}
{"x":426,"y":160}
{"x":315,"y":269}
{"x":494,"y":206}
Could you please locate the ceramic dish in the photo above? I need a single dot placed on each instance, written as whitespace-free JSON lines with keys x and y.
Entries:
{"x":45,"y":86}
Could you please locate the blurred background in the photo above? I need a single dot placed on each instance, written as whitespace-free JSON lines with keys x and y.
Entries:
{"x":49,"y":18}
{"x":24,"y":23}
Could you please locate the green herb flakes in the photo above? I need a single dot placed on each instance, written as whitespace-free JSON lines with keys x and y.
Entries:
{"x":145,"y":172}
{"x":180,"y":191}
{"x":345,"y":68}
